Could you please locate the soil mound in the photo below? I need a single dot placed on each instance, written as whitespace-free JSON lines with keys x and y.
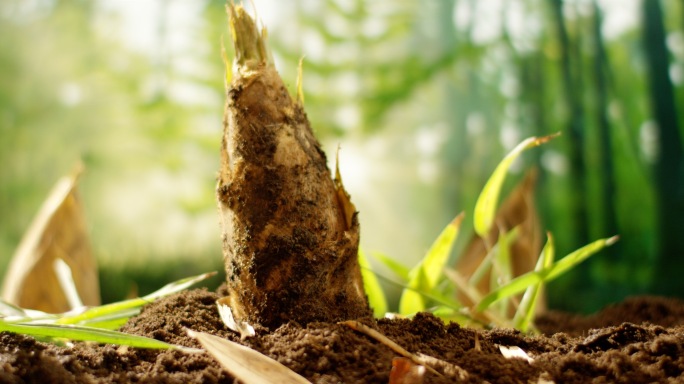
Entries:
{"x":638,"y":340}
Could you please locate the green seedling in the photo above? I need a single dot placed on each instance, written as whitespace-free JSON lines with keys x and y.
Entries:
{"x":424,"y":287}
{"x":524,"y":315}
{"x":487,"y":202}
{"x":95,"y":324}
{"x":522,"y":282}
{"x":376,"y":296}
{"x":81,"y":333}
{"x":425,"y":276}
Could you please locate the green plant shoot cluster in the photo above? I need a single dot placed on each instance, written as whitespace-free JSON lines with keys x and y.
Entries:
{"x":431,"y":284}
{"x":94,"y":324}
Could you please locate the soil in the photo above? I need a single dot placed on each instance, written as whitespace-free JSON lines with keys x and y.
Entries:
{"x":637,"y":341}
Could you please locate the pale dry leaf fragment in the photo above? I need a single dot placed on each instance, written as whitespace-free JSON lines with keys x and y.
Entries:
{"x":394,"y":316}
{"x":545,"y":378}
{"x":515,"y":352}
{"x":66,"y":281}
{"x":59,"y":230}
{"x":245,"y":364}
{"x":242,"y":327}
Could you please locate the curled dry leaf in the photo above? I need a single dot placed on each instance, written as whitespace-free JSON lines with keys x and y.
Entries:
{"x":245,"y":364}
{"x":58,"y":231}
{"x":242,"y":327}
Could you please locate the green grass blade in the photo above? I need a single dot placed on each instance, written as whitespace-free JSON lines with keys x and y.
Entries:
{"x":502,"y":265}
{"x":95,"y":314}
{"x":435,"y":298}
{"x":485,"y":207}
{"x":438,"y":254}
{"x":113,"y":322}
{"x":425,"y":276}
{"x":80,"y":333}
{"x":521,"y":282}
{"x":396,"y":267}
{"x":525,"y":313}
{"x":484,"y":267}
{"x":376,"y":296}
{"x":502,"y":269}
{"x":412,"y":300}
{"x":449,"y":314}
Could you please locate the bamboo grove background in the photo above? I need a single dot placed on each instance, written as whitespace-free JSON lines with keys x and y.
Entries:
{"x":423,"y":97}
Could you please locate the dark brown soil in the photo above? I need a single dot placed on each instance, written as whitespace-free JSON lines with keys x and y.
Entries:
{"x":638,"y":341}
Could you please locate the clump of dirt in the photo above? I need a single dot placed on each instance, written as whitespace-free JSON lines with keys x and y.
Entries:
{"x":663,"y":311}
{"x":599,"y":348}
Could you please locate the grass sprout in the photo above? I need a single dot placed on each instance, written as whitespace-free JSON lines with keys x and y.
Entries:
{"x":426,"y":275}
{"x":81,"y":333}
{"x":523,"y":316}
{"x":431,"y":285}
{"x":485,"y":207}
{"x":94,"y":324}
{"x":372,"y":287}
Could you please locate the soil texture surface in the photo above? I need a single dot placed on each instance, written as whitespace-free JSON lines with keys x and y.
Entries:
{"x":640,"y":340}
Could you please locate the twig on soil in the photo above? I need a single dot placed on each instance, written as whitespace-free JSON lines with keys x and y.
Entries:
{"x":425,"y":360}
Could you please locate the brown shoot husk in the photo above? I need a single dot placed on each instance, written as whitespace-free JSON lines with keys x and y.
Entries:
{"x":290,"y":243}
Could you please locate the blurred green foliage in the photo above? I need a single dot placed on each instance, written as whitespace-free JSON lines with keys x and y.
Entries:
{"x":425,"y":98}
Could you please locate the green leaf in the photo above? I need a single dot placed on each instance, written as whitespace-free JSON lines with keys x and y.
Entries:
{"x":482,"y":268}
{"x":502,"y":261}
{"x":412,"y":300}
{"x":521,"y":282}
{"x":525,"y":313}
{"x":376,"y":296}
{"x":425,"y":276}
{"x":396,"y":267}
{"x":485,"y":207}
{"x":438,"y":254}
{"x":80,"y":333}
{"x":107,"y":311}
{"x":502,"y":269}
{"x":113,"y":321}
{"x":451,"y":314}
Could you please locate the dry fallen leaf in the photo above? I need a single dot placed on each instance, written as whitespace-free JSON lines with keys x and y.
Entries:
{"x":58,"y":231}
{"x":517,"y":210}
{"x":242,"y":327}
{"x":245,"y":364}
